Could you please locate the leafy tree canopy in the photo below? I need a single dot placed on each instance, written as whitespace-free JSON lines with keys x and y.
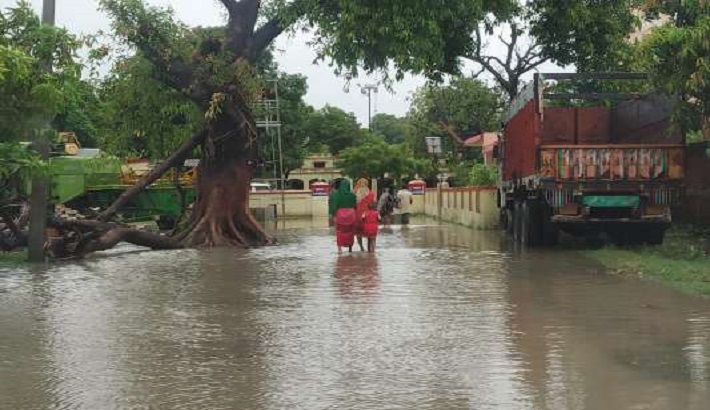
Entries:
{"x":678,"y":53}
{"x":31,"y":95}
{"x":394,"y":129}
{"x":581,"y":32}
{"x":377,"y":157}
{"x":464,"y":106}
{"x":331,"y":129}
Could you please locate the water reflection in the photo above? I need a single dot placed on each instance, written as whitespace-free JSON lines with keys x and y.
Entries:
{"x":357,"y":275}
{"x":440,"y":317}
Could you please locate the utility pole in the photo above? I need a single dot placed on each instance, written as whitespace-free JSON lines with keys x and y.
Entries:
{"x":367,"y":89}
{"x":40,"y":184}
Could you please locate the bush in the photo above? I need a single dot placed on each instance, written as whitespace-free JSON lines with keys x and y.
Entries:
{"x":482,"y":175}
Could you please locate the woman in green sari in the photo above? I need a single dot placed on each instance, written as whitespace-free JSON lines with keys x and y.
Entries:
{"x":342,"y":207}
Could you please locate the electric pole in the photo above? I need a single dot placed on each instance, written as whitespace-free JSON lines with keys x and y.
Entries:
{"x":367,"y":89}
{"x":40,"y":184}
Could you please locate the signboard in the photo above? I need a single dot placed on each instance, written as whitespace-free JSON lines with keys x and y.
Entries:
{"x":417,"y":187}
{"x":191,"y":163}
{"x":320,"y":189}
{"x":433,"y":145}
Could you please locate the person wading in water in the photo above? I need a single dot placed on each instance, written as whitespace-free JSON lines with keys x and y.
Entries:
{"x":343,"y":206}
{"x":365,"y":197}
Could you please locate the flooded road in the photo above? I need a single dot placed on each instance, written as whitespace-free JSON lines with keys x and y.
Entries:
{"x":441,"y":317}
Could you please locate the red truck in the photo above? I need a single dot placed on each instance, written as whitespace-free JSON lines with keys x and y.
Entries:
{"x":589,"y":162}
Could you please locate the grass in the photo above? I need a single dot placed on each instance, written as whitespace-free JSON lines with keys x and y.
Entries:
{"x":13,"y":258}
{"x":683,"y":261}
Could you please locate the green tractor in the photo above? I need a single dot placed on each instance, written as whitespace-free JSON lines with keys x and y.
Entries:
{"x":84,"y":181}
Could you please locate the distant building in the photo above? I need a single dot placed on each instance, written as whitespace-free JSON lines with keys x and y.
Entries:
{"x":487,"y":141}
{"x":316,"y":167}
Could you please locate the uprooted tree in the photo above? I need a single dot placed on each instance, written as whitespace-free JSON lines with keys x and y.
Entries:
{"x":215,"y":69}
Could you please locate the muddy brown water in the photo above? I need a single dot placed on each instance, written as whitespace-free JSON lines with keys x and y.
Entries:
{"x":441,"y":317}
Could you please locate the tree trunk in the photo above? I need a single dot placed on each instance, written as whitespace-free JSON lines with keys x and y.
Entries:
{"x":220,"y":215}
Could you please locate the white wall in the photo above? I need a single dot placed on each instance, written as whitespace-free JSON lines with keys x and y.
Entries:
{"x":471,"y":206}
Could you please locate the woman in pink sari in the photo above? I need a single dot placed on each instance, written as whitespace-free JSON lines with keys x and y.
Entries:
{"x":365,"y":197}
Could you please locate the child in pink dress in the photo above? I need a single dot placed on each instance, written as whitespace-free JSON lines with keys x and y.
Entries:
{"x":370,"y":225}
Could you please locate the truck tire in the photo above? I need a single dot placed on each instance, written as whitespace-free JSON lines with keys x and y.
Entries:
{"x":654,"y":236}
{"x":517,"y":222}
{"x":527,"y":224}
{"x":532,"y":223}
{"x":627,"y":236}
{"x":509,"y":221}
{"x":550,"y":232}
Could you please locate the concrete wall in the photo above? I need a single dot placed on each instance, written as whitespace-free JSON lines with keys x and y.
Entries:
{"x":475,"y":207}
{"x":298,"y":203}
{"x":470,"y":206}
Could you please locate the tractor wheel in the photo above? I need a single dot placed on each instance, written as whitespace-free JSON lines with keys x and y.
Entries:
{"x":165,"y":223}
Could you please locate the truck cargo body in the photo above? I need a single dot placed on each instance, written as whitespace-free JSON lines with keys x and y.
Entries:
{"x":589,"y":168}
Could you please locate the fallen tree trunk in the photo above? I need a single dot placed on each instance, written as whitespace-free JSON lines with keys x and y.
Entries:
{"x":173,"y":160}
{"x":75,"y":239}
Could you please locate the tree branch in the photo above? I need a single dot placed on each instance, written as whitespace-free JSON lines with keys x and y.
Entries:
{"x":175,"y":159}
{"x":267,"y":33}
{"x":249,"y":10}
{"x":264,"y":35}
{"x":240,"y":26}
{"x":230,"y":5}
{"x":449,"y":129}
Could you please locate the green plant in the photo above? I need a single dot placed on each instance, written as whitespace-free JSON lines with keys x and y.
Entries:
{"x":483,"y":175}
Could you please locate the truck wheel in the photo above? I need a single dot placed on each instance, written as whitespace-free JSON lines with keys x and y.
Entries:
{"x":654,"y":236}
{"x":527,"y":224}
{"x":533,"y":222}
{"x":627,"y":235}
{"x":550,"y":232}
{"x":518,"y":222}
{"x":509,"y":218}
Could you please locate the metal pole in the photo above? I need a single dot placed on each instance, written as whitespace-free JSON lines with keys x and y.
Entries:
{"x":369,"y":109}
{"x":48,"y":12}
{"x":40,"y":185}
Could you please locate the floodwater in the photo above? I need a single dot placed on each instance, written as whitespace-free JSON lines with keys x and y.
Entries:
{"x":441,"y":317}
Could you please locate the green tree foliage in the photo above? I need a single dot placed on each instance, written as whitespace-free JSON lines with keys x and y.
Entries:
{"x":464,"y":106}
{"x":394,"y":129}
{"x":333,"y":130}
{"x":416,"y":36}
{"x":18,"y":161}
{"x":377,"y":157}
{"x":587,"y":33}
{"x":590,"y":34}
{"x":31,"y":96}
{"x":140,"y":116}
{"x":677,"y":54}
{"x":482,"y":175}
{"x":81,"y":112}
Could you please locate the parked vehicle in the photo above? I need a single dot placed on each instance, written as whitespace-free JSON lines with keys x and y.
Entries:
{"x":260,"y":187}
{"x":590,"y":162}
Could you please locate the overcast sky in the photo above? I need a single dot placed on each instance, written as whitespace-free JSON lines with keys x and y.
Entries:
{"x":292,"y":53}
